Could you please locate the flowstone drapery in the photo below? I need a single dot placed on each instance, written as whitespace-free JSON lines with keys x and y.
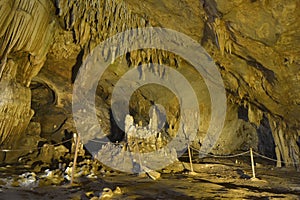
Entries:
{"x":25,"y":37}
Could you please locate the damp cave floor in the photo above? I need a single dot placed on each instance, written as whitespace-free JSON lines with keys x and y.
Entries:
{"x":214,"y":179}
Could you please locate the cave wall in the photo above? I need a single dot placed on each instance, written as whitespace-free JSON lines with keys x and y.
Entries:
{"x":263,"y":59}
{"x":25,"y":38}
{"x":254,"y":43}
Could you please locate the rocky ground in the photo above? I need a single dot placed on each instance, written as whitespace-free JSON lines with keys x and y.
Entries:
{"x":213,"y":179}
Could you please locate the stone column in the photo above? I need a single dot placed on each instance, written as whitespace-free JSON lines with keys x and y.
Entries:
{"x":25,"y":37}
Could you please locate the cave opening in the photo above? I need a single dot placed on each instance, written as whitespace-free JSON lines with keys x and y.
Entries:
{"x":266,"y":144}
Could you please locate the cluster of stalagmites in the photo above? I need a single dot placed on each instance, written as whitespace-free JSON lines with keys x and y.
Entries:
{"x":144,"y":139}
{"x":141,"y":146}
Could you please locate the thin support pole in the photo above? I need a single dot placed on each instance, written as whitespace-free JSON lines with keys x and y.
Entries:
{"x":75,"y":157}
{"x":190,"y":157}
{"x":252,"y":163}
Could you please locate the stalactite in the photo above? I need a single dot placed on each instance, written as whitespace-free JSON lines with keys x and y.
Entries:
{"x":95,"y":21}
{"x":25,"y":31}
{"x":223,"y":36}
{"x":254,"y":114}
{"x":285,"y":143}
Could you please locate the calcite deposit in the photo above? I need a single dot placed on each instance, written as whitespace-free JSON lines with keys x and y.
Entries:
{"x":255,"y":45}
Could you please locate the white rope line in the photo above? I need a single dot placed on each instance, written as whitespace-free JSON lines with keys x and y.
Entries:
{"x":15,"y":150}
{"x":271,"y":159}
{"x":101,"y":142}
{"x":199,"y":151}
{"x":240,"y":154}
{"x":220,"y":156}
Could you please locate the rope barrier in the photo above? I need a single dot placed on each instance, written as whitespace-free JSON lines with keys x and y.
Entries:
{"x":240,"y":154}
{"x":220,"y":156}
{"x":57,"y":144}
{"x":63,"y":142}
{"x":199,"y":151}
{"x":97,"y":141}
{"x":37,"y":148}
{"x":271,"y":159}
{"x":265,"y":157}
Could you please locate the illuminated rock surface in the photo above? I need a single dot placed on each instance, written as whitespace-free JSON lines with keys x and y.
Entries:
{"x":255,"y":45}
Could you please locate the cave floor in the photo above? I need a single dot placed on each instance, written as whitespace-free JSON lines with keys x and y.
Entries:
{"x":214,"y":179}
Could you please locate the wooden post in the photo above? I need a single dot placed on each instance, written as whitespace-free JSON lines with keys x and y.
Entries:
{"x":190,"y":157}
{"x":252,"y":163}
{"x":75,"y":158}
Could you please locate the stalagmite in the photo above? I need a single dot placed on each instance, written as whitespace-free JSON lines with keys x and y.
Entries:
{"x":128,"y":123}
{"x":153,"y":124}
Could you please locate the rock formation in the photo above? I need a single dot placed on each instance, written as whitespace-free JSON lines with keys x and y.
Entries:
{"x":142,"y":145}
{"x":25,"y":38}
{"x":255,"y":45}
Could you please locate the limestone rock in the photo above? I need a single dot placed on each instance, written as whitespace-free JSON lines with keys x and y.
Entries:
{"x":255,"y":44}
{"x":24,"y":42}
